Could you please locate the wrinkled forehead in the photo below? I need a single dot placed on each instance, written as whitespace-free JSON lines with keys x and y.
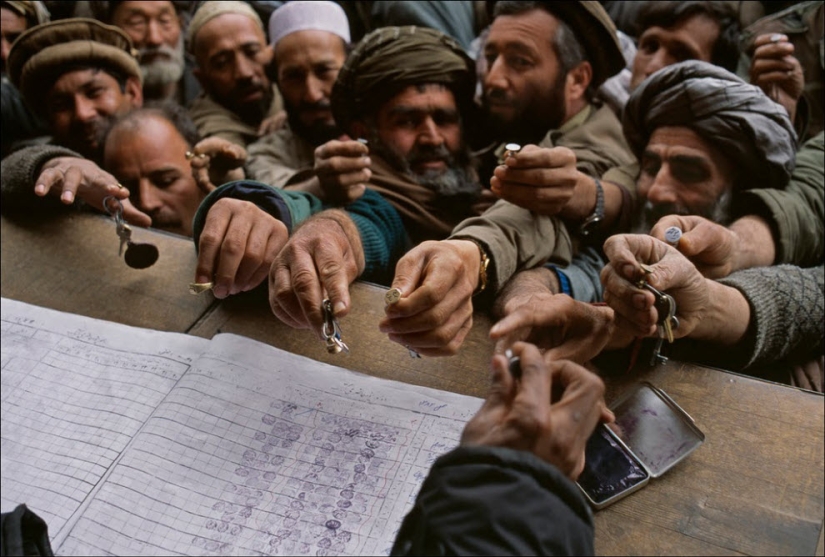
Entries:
{"x":227,"y":32}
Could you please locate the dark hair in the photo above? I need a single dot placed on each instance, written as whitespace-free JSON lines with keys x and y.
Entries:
{"x":566,"y":44}
{"x":170,"y":111}
{"x":668,"y":13}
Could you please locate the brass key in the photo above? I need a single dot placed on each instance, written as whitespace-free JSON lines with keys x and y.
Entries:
{"x":332,"y":331}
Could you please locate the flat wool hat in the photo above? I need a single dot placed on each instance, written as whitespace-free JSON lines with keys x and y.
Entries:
{"x":44,"y":53}
{"x":210,"y":10}
{"x":301,"y":15}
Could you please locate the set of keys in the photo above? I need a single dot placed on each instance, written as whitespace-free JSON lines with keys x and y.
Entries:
{"x":138,"y":256}
{"x":667,"y":321}
{"x":332,"y":331}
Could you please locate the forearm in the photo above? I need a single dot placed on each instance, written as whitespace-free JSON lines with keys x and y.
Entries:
{"x":756,"y":247}
{"x":726,"y":317}
{"x":19,"y":172}
{"x":383,"y":237}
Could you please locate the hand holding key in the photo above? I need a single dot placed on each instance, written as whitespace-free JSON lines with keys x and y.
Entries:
{"x":640,"y":299}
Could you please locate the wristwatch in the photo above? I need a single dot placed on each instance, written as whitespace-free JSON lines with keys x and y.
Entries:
{"x":591,"y":223}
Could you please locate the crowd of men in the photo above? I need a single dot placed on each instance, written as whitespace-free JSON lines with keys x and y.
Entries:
{"x":526,"y":158}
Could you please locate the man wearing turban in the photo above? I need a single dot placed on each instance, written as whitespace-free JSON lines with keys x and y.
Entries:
{"x":705,"y":139}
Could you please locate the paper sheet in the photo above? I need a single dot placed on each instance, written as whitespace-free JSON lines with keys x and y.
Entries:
{"x":259,"y":451}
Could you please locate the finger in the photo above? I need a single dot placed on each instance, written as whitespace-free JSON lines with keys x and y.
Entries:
{"x":232,"y":250}
{"x":133,"y":215}
{"x":424,"y":344}
{"x":253,"y":258}
{"x":278,"y":237}
{"x":544,"y":200}
{"x":338,"y":148}
{"x":502,"y":385}
{"x":532,"y":156}
{"x":439,"y":334}
{"x":282,"y":299}
{"x":408,"y":274}
{"x":48,"y":179}
{"x":330,"y":262}
{"x":355,"y":192}
{"x":308,"y":290}
{"x":343,"y":165}
{"x":769,"y":38}
{"x":582,"y":399}
{"x":71,"y":181}
{"x":209,"y":244}
{"x":533,"y":394}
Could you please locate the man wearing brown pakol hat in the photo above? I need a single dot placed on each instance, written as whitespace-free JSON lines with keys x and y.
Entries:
{"x":238,"y":102}
{"x":78,"y":75}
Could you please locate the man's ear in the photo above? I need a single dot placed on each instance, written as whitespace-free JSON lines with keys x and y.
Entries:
{"x":134,"y":91}
{"x":577,"y":81}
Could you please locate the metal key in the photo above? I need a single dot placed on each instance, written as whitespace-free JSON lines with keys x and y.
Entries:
{"x":666,"y":319}
{"x":391,"y":297}
{"x":124,"y":232}
{"x":332,"y":331}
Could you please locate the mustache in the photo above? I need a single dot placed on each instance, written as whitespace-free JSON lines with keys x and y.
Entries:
{"x":165,"y":50}
{"x":309,"y":107}
{"x":419,"y":154}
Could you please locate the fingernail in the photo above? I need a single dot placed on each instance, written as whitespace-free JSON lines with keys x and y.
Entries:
{"x":40,"y":189}
{"x":367,"y":160}
{"x":776,"y":37}
{"x":339,"y":307}
{"x":494,"y":329}
{"x":202,"y":279}
{"x":67,"y":196}
{"x":220,"y":292}
{"x":628,"y":271}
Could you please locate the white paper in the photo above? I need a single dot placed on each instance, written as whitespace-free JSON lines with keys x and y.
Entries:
{"x":259,"y":451}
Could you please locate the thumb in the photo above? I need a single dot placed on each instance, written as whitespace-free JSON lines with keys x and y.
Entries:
{"x":408,"y":274}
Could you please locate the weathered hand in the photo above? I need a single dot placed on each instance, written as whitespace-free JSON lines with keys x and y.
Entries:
{"x":435,"y":313}
{"x":672,"y":273}
{"x":567,"y":329}
{"x":540,"y":179}
{"x":550,"y":411}
{"x":216,"y":161}
{"x":272,"y":123}
{"x":72,"y":177}
{"x":712,"y":247}
{"x":776,"y":70}
{"x":343,"y":170}
{"x":324,"y":255}
{"x":237,"y":246}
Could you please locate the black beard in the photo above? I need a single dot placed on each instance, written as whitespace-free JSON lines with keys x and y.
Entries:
{"x":528,"y":125}
{"x":316,"y":134}
{"x":647,"y":214}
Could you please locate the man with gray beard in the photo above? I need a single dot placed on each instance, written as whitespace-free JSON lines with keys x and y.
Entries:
{"x":157,"y":33}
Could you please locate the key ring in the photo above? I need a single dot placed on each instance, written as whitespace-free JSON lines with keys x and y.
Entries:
{"x":116,"y":213}
{"x":331,"y":332}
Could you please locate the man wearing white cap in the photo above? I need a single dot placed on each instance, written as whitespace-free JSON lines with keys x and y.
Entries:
{"x":239,"y":102}
{"x":310,"y":42}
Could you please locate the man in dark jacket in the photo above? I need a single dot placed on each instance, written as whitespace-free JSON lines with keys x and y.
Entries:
{"x":507,"y":489}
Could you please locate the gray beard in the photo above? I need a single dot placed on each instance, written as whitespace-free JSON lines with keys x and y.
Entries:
{"x":459,"y":179}
{"x":648,"y":214}
{"x":162,"y":72}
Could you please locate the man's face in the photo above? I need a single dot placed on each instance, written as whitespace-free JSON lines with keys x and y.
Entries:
{"x":82,"y":104}
{"x":231,"y":53}
{"x":11,"y":26}
{"x":523,"y":86}
{"x":150,"y":160}
{"x":682,"y":174}
{"x":418,"y":131}
{"x":692,"y":38}
{"x":308,"y":63}
{"x":155,"y":30}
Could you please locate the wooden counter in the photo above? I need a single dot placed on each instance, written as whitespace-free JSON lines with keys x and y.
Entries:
{"x":755,"y":486}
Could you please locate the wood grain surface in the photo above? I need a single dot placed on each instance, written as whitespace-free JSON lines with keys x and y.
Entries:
{"x":754,"y":487}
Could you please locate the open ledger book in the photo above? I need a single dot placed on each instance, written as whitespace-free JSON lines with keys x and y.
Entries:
{"x":137,"y":442}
